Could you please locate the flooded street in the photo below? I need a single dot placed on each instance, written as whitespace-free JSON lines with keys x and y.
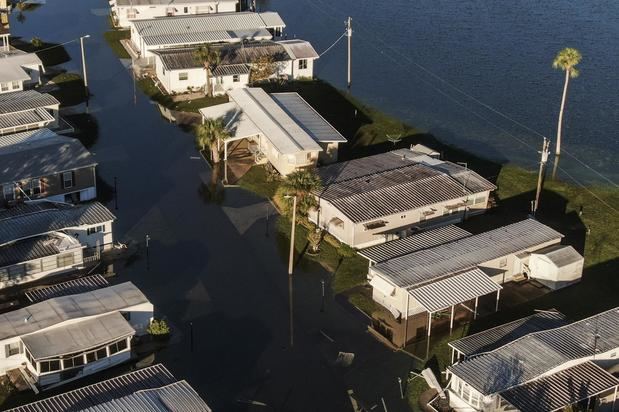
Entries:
{"x":214,"y":271}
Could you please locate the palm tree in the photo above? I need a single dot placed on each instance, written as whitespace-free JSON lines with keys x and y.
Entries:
{"x":566,"y":60}
{"x":207,"y":57}
{"x":302,"y":184}
{"x":210,"y":134}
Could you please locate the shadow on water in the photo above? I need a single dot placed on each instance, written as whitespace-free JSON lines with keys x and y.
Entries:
{"x":51,"y":54}
{"x":86,"y":128}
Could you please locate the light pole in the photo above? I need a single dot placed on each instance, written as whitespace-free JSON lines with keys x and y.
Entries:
{"x":291,"y":262}
{"x":84,"y":74}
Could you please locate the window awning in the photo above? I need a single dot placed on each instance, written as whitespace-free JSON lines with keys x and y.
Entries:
{"x":382,"y":286}
{"x":454,"y":290}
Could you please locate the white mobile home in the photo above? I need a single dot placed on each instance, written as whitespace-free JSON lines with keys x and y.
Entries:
{"x":68,"y":337}
{"x":153,"y":388}
{"x":442,"y":278}
{"x":179,"y":72}
{"x":282,"y":128}
{"x":125,"y":11}
{"x":27,"y":110}
{"x":19,"y":70}
{"x":543,"y":371}
{"x":184,"y":31}
{"x":43,"y":238}
{"x":387,"y":196}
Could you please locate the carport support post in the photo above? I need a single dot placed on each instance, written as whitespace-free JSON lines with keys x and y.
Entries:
{"x":498,"y":295}
{"x":226,"y":161}
{"x":429,"y":332}
{"x":475,"y":312}
{"x":408,"y":297}
{"x":451,"y":320}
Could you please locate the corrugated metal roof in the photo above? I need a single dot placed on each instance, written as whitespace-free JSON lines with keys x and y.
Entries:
{"x":26,"y":118}
{"x":205,"y":28}
{"x":442,"y":260}
{"x":70,"y":287}
{"x":231,"y":69}
{"x":309,"y":119}
{"x":48,"y":313}
{"x":230,"y":54}
{"x":35,"y":248}
{"x":25,"y":100}
{"x":560,"y":255}
{"x":42,"y":157}
{"x":30,"y":135}
{"x":537,"y":353}
{"x":155,"y":376}
{"x":456,"y":289}
{"x":237,"y":122}
{"x":177,"y":39}
{"x":395,"y":182}
{"x":78,"y":337}
{"x":279,"y":128}
{"x":177,"y":396}
{"x":272,"y":19}
{"x":413,"y":243}
{"x":176,"y":3}
{"x":561,"y":389}
{"x":38,"y":218}
{"x":494,"y":338}
{"x":299,"y":49}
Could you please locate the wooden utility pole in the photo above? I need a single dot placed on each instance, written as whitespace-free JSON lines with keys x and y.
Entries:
{"x":349,"y":35}
{"x":540,"y":176}
{"x":290,"y":267}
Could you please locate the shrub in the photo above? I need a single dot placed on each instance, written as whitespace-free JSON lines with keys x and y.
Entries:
{"x":158,"y":327}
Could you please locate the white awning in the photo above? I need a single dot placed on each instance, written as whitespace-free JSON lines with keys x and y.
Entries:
{"x":457,"y":289}
{"x":382,"y":286}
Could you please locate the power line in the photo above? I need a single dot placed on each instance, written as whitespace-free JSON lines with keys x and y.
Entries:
{"x":57,"y":45}
{"x":459,"y":90}
{"x":333,"y":45}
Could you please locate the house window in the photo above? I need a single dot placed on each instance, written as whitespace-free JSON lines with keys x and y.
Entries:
{"x":34,"y":186}
{"x":503,"y":262}
{"x":236,"y":78}
{"x":302,"y":64}
{"x":73,"y":361}
{"x":64,"y":260}
{"x":119,"y":346}
{"x":479,"y":200}
{"x":49,"y":366}
{"x":67,"y":180}
{"x":4,"y":86}
{"x":402,"y":216}
{"x":183,"y":76}
{"x":12,"y":349}
{"x":15,"y":85}
{"x":185,"y":10}
{"x":8,"y":191}
{"x":95,"y":229}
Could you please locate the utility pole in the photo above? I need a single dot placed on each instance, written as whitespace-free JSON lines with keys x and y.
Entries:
{"x":290,"y":264}
{"x":84,"y":74}
{"x":542,"y":167}
{"x":349,"y":35}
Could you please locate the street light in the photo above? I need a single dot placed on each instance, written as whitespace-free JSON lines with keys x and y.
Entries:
{"x":290,"y":263}
{"x":84,"y":75}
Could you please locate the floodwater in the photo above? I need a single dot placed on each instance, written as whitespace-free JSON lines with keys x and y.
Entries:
{"x":406,"y":54}
{"x":214,"y":270}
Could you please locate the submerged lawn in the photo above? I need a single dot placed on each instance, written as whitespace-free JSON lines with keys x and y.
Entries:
{"x":152,"y":91}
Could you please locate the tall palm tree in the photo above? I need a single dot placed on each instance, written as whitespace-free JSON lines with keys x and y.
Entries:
{"x":302,"y":184}
{"x":208,"y":57}
{"x":566,"y":60}
{"x":211,"y":134}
